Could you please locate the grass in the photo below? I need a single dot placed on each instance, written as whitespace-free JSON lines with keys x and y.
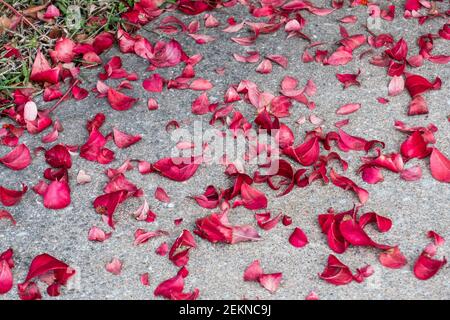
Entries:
{"x":95,"y":16}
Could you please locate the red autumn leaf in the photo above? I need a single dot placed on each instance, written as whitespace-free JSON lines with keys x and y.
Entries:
{"x":124,"y":140}
{"x":114,"y":266}
{"x":426,"y":267}
{"x":56,"y":271}
{"x":18,"y":159}
{"x":336,"y":272}
{"x":9,"y":197}
{"x":348,"y":108}
{"x":177,"y":169}
{"x":298,"y":238}
{"x":179,"y":253}
{"x":161,"y":195}
{"x":440,"y":166}
{"x":347,"y":184}
{"x":120,"y":101}
{"x":154,"y":83}
{"x":393,"y":258}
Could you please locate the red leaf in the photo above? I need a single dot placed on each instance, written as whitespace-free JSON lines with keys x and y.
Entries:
{"x":440,"y":166}
{"x":298,"y":238}
{"x":18,"y":159}
{"x":120,"y":101}
{"x":393,"y":258}
{"x":124,"y":140}
{"x":10,"y":197}
{"x":355,"y":235}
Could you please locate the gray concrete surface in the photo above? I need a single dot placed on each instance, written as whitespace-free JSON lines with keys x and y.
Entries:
{"x":414,"y":207}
